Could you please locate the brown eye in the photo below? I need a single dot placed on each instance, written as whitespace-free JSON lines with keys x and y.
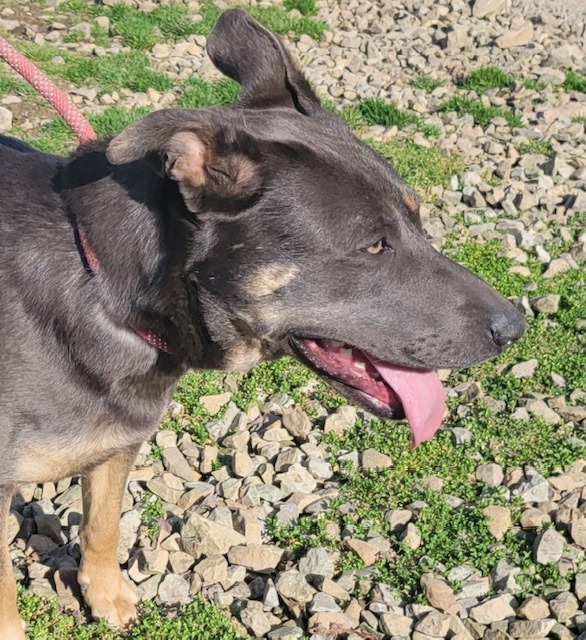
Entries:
{"x":378,"y":247}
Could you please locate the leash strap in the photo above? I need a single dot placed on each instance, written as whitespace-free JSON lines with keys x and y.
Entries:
{"x":43,"y":84}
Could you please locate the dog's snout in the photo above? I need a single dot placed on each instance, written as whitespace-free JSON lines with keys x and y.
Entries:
{"x":507,"y":327}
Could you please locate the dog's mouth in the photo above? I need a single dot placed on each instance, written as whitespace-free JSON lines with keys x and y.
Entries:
{"x":388,"y":390}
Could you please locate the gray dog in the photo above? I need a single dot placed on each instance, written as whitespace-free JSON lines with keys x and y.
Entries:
{"x":212,"y":238}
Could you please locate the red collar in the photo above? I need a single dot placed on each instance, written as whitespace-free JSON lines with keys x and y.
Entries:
{"x":92,"y":265}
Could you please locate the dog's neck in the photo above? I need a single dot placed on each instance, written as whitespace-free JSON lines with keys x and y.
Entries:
{"x":91,"y":263}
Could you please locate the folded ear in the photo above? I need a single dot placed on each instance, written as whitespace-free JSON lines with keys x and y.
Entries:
{"x":244,"y":50}
{"x":208,"y":160}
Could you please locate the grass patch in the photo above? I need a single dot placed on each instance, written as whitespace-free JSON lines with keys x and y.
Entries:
{"x":481,"y":113}
{"x":562,"y":346}
{"x":378,"y":112}
{"x":170,"y":23}
{"x":46,"y":621}
{"x":305,"y":7}
{"x":428,"y":84}
{"x":129,"y":70}
{"x":534,"y":84}
{"x":15,"y":86}
{"x":198,"y":93}
{"x":420,"y":167}
{"x":487,"y":78}
{"x":575,"y":82}
{"x":544,"y":147}
{"x":279,"y":21}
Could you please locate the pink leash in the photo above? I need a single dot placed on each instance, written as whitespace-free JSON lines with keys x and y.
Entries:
{"x":43,"y":84}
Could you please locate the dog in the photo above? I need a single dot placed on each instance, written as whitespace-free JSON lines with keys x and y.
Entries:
{"x":211,"y":239}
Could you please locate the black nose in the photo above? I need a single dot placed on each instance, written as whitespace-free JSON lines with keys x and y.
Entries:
{"x":507,"y":327}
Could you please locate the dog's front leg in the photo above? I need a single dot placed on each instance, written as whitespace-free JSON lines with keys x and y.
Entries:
{"x":105,"y":591}
{"x":11,"y":626}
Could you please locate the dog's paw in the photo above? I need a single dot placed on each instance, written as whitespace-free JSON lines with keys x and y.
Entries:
{"x":110,"y":598}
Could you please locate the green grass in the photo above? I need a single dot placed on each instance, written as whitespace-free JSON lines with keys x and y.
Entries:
{"x":421,"y":167}
{"x":428,"y":84}
{"x":378,"y":112}
{"x":543,"y":147}
{"x":279,"y":21}
{"x":562,"y":347}
{"x":129,"y":70}
{"x":46,"y":621}
{"x":169,"y":23}
{"x":305,"y":7}
{"x":575,"y":82}
{"x":487,"y":78}
{"x":534,"y":84}
{"x":197,"y":93}
{"x":16,"y":86}
{"x":481,"y":113}
{"x":153,"y":509}
{"x":581,"y":119}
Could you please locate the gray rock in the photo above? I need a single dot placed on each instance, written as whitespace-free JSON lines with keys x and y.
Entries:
{"x":548,"y":547}
{"x":493,"y":610}
{"x":293,"y":585}
{"x":255,"y":619}
{"x":173,"y":590}
{"x":547,"y":304}
{"x":323,"y":602}
{"x":202,"y":538}
{"x":393,"y":624}
{"x":484,"y":8}
{"x":531,"y":628}
{"x":256,"y":557}
{"x":5,"y":119}
{"x":490,"y":473}
{"x":297,"y":423}
{"x":317,"y":562}
{"x":434,"y":624}
{"x":564,"y":607}
{"x":525,"y":369}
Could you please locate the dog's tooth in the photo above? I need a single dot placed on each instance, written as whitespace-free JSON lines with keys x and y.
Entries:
{"x":346,"y":352}
{"x":336,"y":344}
{"x":358,"y":364}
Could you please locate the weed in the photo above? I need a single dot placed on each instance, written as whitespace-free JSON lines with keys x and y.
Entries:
{"x":575,"y":82}
{"x":487,"y":78}
{"x":46,"y":621}
{"x":543,"y":147}
{"x":481,"y":113}
{"x":428,"y":84}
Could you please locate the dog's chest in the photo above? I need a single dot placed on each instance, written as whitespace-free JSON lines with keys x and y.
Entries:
{"x":49,"y":459}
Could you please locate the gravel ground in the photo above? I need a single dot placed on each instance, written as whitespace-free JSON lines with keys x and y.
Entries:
{"x":196,"y":515}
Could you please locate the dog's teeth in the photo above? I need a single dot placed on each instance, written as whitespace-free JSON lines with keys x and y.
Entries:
{"x":360,"y":365}
{"x":346,"y":352}
{"x":336,"y":344}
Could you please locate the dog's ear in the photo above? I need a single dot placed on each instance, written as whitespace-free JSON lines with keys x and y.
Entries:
{"x":202,"y":154}
{"x":244,"y":50}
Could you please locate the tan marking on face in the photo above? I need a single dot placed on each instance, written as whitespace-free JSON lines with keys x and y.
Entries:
{"x":270,"y":278}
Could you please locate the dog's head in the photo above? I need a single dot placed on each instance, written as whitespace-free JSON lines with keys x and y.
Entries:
{"x":306,"y":242}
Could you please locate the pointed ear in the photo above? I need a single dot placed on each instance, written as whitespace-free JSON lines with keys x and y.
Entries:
{"x":205,"y":158}
{"x":244,"y":50}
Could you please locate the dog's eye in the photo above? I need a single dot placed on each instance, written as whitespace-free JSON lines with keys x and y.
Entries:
{"x":378,"y":247}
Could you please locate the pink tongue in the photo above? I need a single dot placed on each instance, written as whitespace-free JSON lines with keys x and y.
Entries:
{"x":422,"y":396}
